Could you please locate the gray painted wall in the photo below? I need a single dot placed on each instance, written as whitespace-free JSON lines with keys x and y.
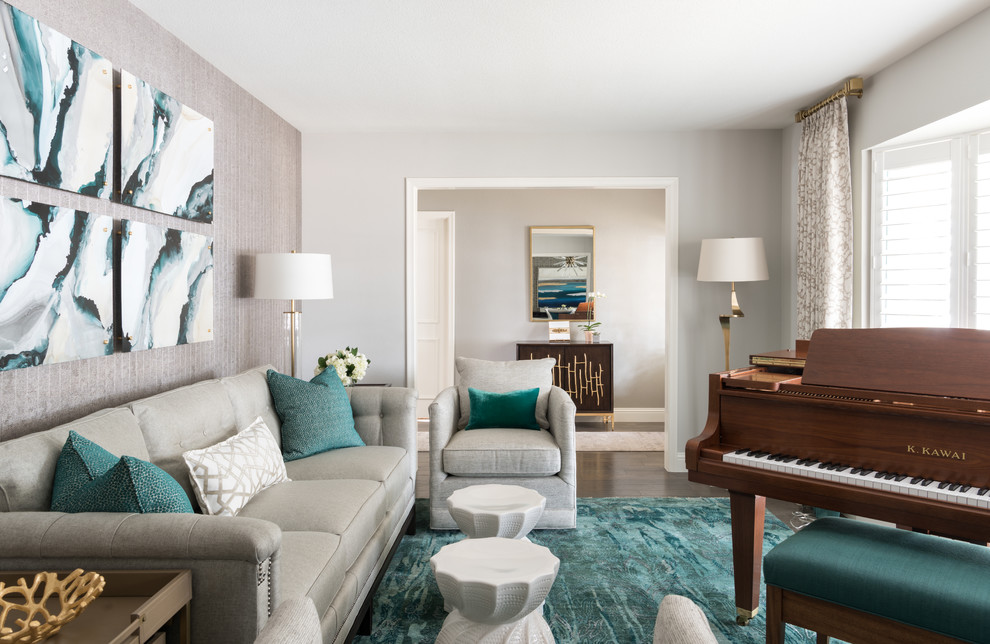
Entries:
{"x":257,"y":205}
{"x":729,"y":186}
{"x":492,"y":310}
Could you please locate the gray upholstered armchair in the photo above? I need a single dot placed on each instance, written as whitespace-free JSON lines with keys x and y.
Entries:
{"x":540,"y":459}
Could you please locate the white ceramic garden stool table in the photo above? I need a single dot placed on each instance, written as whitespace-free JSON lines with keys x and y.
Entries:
{"x":495,"y":588}
{"x":494,"y":510}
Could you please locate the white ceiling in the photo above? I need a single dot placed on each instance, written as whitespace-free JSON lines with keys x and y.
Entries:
{"x":550,"y":65}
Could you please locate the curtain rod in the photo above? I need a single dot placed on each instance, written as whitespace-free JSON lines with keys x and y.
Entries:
{"x":852,"y":87}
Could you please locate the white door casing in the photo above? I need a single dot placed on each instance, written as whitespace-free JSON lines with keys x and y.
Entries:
{"x":673,"y":458}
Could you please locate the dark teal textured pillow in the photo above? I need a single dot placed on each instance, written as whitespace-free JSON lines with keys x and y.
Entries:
{"x":132,"y":485}
{"x":513,"y":409}
{"x":80,"y":461}
{"x":316,"y":416}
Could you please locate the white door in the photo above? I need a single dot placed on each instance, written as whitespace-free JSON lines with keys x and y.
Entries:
{"x":434,"y":306}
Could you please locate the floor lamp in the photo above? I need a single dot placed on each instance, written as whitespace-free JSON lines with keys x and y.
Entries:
{"x":293,"y":276}
{"x":737,"y":259}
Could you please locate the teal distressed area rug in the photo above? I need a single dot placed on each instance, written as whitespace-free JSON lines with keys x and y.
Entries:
{"x":625,"y":555}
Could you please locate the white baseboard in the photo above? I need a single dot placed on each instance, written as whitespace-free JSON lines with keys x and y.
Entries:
{"x":640,"y":415}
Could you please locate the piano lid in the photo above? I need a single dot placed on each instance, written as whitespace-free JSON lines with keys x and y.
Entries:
{"x":935,"y":362}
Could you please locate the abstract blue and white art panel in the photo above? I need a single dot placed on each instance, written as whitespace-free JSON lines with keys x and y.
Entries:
{"x":166,"y":154}
{"x":56,"y":284}
{"x":166,"y":286}
{"x":56,"y":108}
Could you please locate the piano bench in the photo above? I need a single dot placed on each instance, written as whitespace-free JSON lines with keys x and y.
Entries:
{"x":864,"y":583}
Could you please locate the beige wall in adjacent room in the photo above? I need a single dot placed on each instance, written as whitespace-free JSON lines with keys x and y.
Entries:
{"x":257,"y":207}
{"x":492,"y":309}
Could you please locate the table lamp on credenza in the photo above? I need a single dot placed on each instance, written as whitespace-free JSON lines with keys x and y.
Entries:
{"x":293,"y":276}
{"x":735,"y":259}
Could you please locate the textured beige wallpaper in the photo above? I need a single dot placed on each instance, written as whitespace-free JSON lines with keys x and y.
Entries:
{"x":257,"y":208}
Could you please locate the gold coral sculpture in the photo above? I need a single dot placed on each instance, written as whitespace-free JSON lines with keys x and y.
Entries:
{"x":75,"y":592}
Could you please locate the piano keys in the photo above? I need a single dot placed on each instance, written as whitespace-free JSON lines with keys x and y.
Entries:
{"x":892,"y":424}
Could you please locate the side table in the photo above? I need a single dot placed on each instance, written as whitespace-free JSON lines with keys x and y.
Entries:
{"x":496,"y":589}
{"x":133,"y":608}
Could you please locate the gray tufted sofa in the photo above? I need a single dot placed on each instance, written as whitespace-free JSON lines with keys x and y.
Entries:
{"x":327,"y":534}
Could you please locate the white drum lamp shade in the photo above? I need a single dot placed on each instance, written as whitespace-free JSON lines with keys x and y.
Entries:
{"x":737,"y":259}
{"x":734,"y":259}
{"x":293,"y":276}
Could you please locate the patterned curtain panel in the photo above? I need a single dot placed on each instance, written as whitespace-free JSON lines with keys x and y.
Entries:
{"x":825,"y":222}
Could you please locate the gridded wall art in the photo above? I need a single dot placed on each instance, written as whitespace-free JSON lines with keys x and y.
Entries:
{"x":166,"y":286}
{"x":166,"y":153}
{"x":56,"y":108}
{"x":56,"y":284}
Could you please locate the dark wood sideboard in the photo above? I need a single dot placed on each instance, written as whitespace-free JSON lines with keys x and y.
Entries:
{"x":583,"y":370}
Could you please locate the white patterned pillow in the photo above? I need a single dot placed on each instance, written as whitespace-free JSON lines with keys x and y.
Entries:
{"x":225,"y":476}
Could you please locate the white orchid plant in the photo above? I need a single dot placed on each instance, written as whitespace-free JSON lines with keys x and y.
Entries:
{"x":350,"y":364}
{"x":589,"y":325}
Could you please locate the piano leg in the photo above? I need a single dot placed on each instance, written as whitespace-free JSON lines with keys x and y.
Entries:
{"x":747,"y":551}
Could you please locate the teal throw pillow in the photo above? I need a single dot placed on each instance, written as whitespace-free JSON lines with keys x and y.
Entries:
{"x":132,"y":485}
{"x":80,"y":461}
{"x":513,"y":409}
{"x":316,"y":416}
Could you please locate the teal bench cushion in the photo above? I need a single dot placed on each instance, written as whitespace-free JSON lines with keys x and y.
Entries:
{"x":930,"y":582}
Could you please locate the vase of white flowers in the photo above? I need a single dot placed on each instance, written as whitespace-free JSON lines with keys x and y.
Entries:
{"x":350,"y":365}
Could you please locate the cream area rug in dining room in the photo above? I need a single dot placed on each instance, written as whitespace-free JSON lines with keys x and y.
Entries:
{"x":593,"y":441}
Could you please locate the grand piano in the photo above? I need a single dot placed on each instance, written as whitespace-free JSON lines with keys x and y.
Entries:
{"x":891,"y":424}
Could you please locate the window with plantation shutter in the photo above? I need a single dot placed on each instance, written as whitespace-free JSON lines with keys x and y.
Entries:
{"x":931,"y":234}
{"x":980,"y":250}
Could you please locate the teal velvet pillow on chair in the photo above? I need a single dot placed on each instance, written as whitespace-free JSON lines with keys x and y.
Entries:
{"x":132,"y":485}
{"x":316,"y":415}
{"x":80,"y":461}
{"x":516,"y":409}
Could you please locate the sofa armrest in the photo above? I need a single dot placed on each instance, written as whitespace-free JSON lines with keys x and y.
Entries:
{"x":560,"y":412}
{"x":234,"y":560}
{"x":106,"y":534}
{"x":445,"y":410}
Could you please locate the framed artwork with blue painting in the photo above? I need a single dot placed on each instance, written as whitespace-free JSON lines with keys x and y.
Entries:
{"x":56,"y":108}
{"x":166,"y":153}
{"x":56,"y":284}
{"x":562,"y":272}
{"x":166,"y":286}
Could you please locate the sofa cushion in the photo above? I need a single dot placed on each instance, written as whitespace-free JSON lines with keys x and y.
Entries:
{"x":348,"y":508}
{"x":225,"y":476}
{"x":27,"y":464}
{"x":80,"y":461}
{"x":176,"y":421}
{"x":311,"y":564}
{"x":501,"y":452}
{"x":250,"y":397}
{"x":512,"y":409}
{"x":316,"y":416}
{"x":132,"y":485}
{"x":385,"y":464}
{"x":503,"y":377}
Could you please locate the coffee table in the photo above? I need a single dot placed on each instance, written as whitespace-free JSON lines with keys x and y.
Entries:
{"x":495,"y":588}
{"x":494,"y":510}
